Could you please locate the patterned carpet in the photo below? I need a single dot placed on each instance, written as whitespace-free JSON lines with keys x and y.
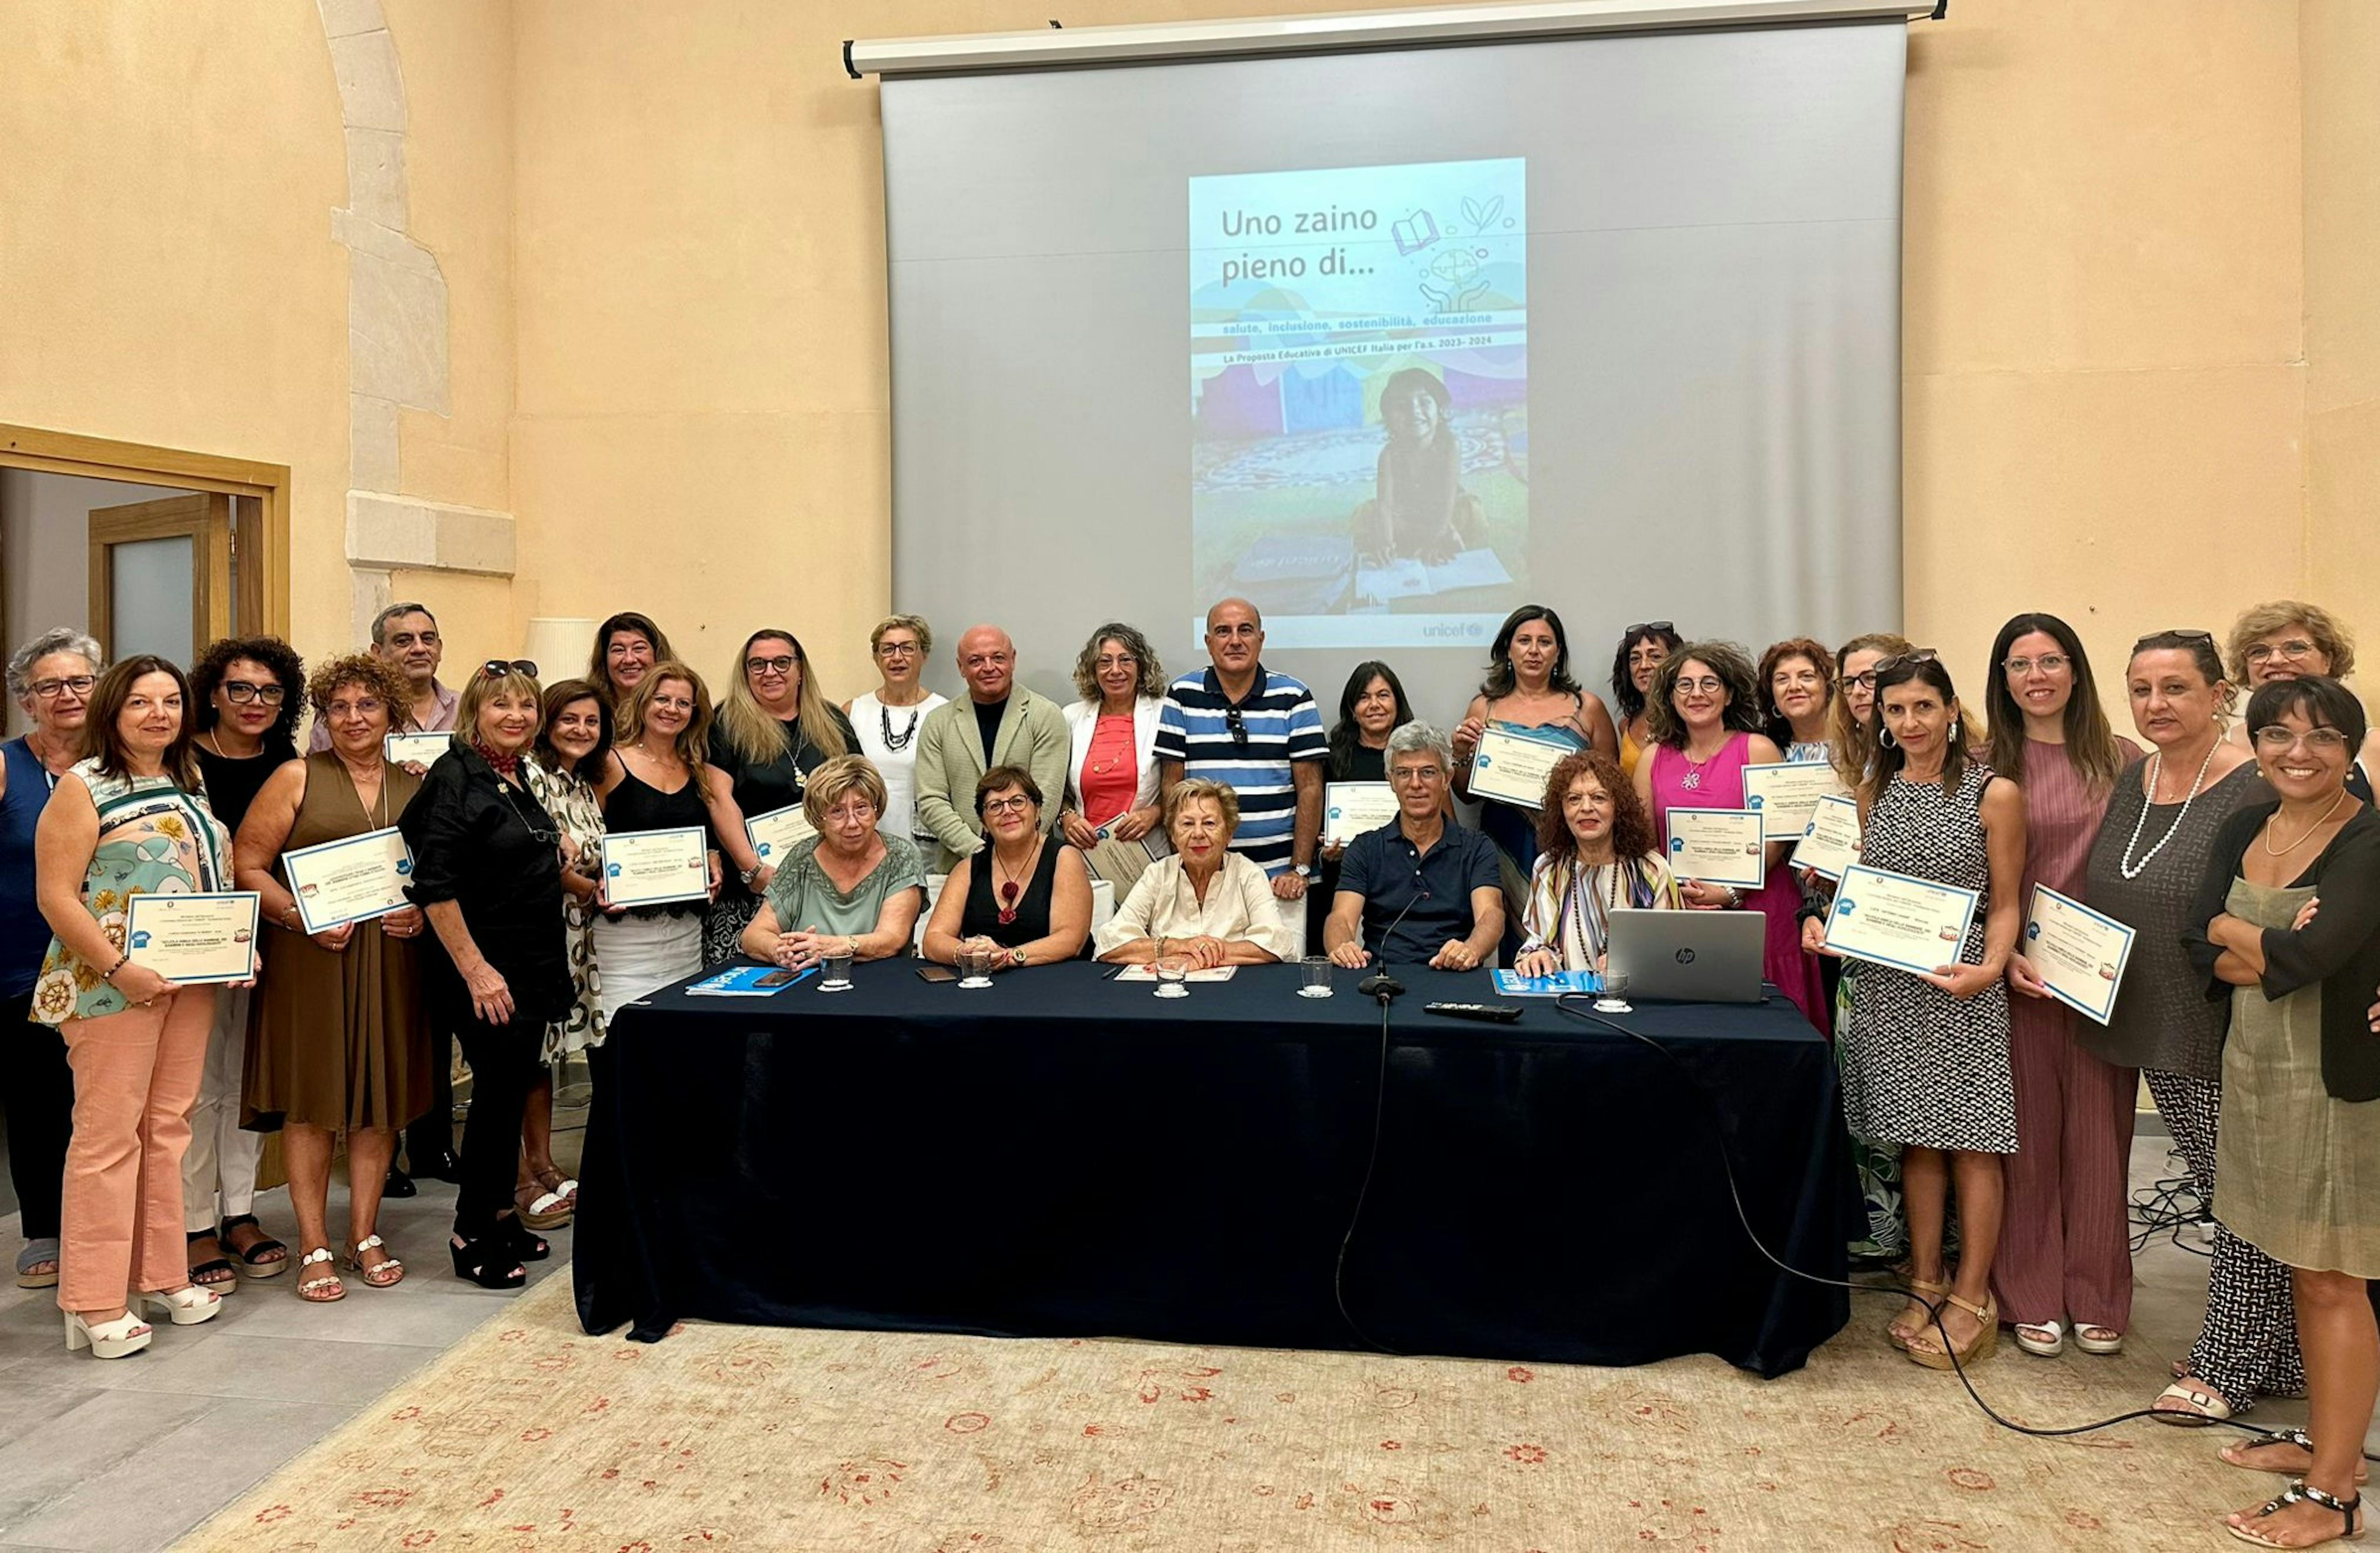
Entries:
{"x":529,"y":1434}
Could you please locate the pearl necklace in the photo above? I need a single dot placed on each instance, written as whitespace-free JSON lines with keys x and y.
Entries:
{"x":2125,"y":864}
{"x":1582,"y":886}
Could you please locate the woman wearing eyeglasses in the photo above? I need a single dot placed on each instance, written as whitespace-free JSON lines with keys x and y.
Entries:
{"x":887,"y":718}
{"x":1929,"y":1069}
{"x":341,"y":1044}
{"x":1111,"y":803}
{"x":2287,"y":926}
{"x":2145,"y":870}
{"x":776,"y":727}
{"x":1642,"y":650}
{"x":1026,"y":897}
{"x":487,"y":871}
{"x":849,"y":889}
{"x":1705,"y":707}
{"x":250,"y":695}
{"x":50,"y":679}
{"x":2065,"y":1255}
{"x":2286,"y":640}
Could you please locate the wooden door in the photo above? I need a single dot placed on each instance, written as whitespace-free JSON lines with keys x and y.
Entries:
{"x":144,"y":557}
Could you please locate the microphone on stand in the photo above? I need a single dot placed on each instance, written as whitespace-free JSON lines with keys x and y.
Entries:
{"x":1381,"y":985}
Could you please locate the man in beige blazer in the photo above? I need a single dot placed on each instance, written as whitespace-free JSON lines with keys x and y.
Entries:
{"x":998,"y":722}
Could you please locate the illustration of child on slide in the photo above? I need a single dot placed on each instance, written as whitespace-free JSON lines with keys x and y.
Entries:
{"x":1420,"y":510}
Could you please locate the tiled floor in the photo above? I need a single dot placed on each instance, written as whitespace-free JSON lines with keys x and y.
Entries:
{"x":126,"y":1456}
{"x":131,"y":1454}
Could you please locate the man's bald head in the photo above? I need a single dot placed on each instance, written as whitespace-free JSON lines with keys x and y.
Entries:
{"x":988,"y":662}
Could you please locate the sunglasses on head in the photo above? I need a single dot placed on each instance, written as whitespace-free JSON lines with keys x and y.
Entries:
{"x":1899,"y":660}
{"x":2173,"y":639}
{"x":497,"y":668}
{"x":1662,"y":628}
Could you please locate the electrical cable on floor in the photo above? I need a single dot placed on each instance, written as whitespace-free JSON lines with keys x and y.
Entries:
{"x":1379,"y":1118}
{"x":2170,"y":1207}
{"x":1718,"y":1138}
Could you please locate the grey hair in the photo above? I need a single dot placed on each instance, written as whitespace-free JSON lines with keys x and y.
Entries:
{"x":1419,"y":738}
{"x":380,"y":621}
{"x":62,"y":639}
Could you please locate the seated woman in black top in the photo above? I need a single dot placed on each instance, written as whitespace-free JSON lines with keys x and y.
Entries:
{"x":1025,"y":896}
{"x":487,"y":868}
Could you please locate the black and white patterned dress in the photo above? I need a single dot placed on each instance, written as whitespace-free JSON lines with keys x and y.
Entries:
{"x":1924,"y":1068}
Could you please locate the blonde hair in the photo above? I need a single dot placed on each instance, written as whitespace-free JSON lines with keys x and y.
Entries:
{"x":692,"y":743}
{"x":913,"y":624}
{"x":2331,"y":637}
{"x":1849,"y":743}
{"x":749,"y":728}
{"x":478,"y":691}
{"x":1193,"y":790}
{"x":837,"y":777}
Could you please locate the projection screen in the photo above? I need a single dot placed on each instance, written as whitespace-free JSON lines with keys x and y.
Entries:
{"x":1394,"y":341}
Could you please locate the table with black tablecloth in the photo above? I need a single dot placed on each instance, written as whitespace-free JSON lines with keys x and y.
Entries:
{"x":1061,"y":1154}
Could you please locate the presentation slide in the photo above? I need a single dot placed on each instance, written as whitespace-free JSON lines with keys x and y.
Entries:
{"x":1359,"y":399}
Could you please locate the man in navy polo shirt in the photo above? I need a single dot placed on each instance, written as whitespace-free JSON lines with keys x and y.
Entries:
{"x":1420,"y":888}
{"x":1258,"y":733}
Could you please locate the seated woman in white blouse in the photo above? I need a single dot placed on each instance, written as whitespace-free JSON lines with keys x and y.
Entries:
{"x":1205,"y":903}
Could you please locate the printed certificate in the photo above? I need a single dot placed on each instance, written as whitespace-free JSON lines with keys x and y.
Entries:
{"x":421,"y":749}
{"x":1512,"y":764}
{"x":1350,"y":809}
{"x":1830,"y":841}
{"x":777,"y":833}
{"x":350,"y":880}
{"x":193,"y":939}
{"x":647,"y":867}
{"x":1788,"y":793}
{"x":2079,"y":953}
{"x":1908,"y":924}
{"x":1718,"y":846}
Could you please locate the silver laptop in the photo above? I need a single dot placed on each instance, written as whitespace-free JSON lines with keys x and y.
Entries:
{"x":1689,"y":956}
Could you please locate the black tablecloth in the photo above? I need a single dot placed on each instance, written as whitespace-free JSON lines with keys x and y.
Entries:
{"x":1061,"y":1155}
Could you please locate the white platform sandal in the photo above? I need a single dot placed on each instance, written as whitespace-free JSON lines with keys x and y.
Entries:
{"x":186,"y":1307}
{"x":107,"y":1340}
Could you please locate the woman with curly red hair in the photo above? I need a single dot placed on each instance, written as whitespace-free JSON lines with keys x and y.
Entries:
{"x":1596,"y":852}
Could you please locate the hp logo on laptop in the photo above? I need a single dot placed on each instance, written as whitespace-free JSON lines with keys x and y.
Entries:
{"x":1685,"y":957}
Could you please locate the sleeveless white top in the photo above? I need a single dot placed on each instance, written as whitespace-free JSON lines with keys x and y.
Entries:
{"x":871,"y":719}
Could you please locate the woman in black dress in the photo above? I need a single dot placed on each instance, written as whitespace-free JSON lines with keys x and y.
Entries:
{"x":1025,"y":895}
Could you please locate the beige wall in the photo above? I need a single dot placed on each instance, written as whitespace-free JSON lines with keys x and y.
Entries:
{"x":2140,"y":353}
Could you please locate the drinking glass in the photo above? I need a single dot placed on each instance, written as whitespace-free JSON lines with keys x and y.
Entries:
{"x":974,"y":967}
{"x":838,"y":973}
{"x":1315,"y":970}
{"x":1615,"y":994}
{"x":1171,"y":972}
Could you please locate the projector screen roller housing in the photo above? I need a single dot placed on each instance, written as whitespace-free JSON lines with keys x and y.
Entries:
{"x":1394,"y":341}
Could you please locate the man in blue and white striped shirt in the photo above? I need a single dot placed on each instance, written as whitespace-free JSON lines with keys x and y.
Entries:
{"x":1260,"y":734}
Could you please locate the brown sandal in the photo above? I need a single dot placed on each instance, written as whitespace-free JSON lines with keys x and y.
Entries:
{"x":1975,"y":1350}
{"x":1898,"y":1335}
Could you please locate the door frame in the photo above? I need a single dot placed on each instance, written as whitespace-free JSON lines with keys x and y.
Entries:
{"x":264,"y":568}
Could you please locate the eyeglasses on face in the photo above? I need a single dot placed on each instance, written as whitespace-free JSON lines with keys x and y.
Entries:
{"x":2295,"y":649}
{"x":2273,"y":738}
{"x":858,"y":811}
{"x":781,"y":664}
{"x":238,"y":692}
{"x":1417,"y":776}
{"x":2048,"y":663}
{"x":1014,"y":804}
{"x":497,"y":668}
{"x":897,"y":650}
{"x":51,"y":689}
{"x":1115,"y":661}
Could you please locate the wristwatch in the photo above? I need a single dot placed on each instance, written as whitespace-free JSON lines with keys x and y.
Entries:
{"x":1016,"y":958}
{"x":1304,"y":870}
{"x":745,"y":874}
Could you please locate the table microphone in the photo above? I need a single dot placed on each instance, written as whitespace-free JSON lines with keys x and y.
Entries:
{"x":1380,"y":985}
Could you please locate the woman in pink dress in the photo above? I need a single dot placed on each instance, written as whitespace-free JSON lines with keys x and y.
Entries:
{"x":1701,"y":718}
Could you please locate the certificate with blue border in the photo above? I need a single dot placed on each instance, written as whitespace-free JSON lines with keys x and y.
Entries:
{"x":1512,"y":764}
{"x":655,"y":868}
{"x":2080,"y":954}
{"x":352,"y":880}
{"x":195,"y":940}
{"x":1719,"y":846}
{"x":421,"y":749}
{"x":1912,"y":925}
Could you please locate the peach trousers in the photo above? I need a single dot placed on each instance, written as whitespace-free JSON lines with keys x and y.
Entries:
{"x":136,"y":1077}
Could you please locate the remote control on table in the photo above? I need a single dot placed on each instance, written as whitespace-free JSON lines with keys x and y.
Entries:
{"x":1494,"y":1014}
